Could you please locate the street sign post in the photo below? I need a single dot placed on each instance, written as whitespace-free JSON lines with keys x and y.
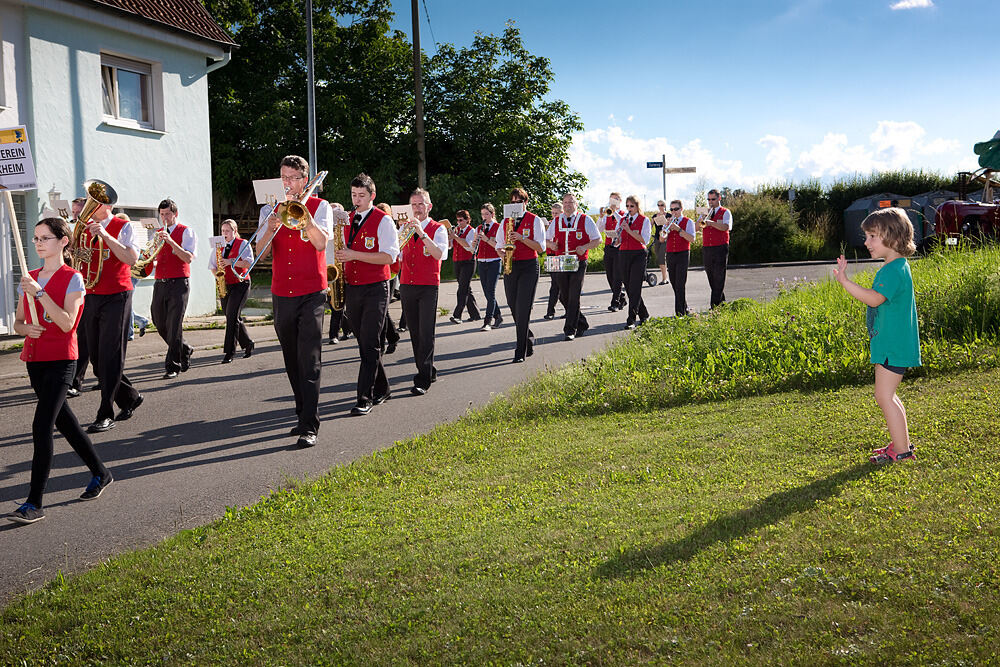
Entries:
{"x":654,"y":165}
{"x":669,"y":170}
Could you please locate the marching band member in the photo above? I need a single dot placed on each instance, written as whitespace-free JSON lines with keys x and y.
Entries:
{"x":50,"y":352}
{"x":611,"y":244}
{"x":520,"y":285}
{"x":554,"y":294}
{"x":636,"y":230}
{"x":390,"y":337}
{"x":572,"y":233}
{"x":298,"y":290}
{"x":420,"y":259}
{"x":463,"y":237}
{"x":680,"y":234}
{"x":660,"y":239}
{"x":371,"y":244}
{"x":84,"y":356}
{"x":236,"y":253}
{"x":489,"y":265}
{"x":340,"y":328}
{"x":171,"y":289}
{"x":106,"y":316}
{"x":715,"y":246}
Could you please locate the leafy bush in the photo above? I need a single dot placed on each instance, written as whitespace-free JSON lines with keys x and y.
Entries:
{"x":763,"y":229}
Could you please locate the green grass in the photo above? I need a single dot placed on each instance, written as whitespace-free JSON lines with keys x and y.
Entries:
{"x":740,"y":530}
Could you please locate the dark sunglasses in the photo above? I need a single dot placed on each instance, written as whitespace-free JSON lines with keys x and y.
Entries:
{"x":673,"y":208}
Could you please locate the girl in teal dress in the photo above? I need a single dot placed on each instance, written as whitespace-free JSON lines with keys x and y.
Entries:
{"x":892,"y":321}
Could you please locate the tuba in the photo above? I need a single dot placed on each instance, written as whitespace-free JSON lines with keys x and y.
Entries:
{"x":88,"y":253}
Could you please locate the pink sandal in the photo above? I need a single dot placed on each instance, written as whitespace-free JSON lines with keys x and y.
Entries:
{"x":889,"y":456}
{"x":883,"y":450}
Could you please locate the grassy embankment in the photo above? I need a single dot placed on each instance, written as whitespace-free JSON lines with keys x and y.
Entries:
{"x":698,"y":494}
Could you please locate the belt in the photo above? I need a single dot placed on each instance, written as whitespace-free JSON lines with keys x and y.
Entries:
{"x":168,"y":280}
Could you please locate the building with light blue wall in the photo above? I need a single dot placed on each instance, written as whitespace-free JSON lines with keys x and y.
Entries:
{"x":115,"y":90}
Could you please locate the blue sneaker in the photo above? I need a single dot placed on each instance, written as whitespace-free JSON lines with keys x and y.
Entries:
{"x":96,"y":486}
{"x":26,"y":513}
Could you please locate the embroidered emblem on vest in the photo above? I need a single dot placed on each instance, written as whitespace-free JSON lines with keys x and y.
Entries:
{"x":369,"y":242}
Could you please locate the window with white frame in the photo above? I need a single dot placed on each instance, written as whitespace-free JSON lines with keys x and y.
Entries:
{"x":128,"y":90}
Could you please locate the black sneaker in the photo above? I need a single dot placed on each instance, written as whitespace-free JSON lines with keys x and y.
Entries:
{"x":96,"y":486}
{"x":361,"y":409}
{"x":26,"y":513}
{"x":454,"y":320}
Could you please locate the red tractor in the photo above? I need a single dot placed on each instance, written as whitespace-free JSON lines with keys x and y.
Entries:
{"x":976,"y":219}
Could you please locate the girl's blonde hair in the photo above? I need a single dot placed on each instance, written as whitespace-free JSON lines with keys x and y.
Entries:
{"x":893,"y":225}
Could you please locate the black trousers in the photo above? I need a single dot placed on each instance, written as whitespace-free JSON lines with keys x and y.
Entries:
{"x":677,"y":270}
{"x":555,"y":295}
{"x":570,"y":286}
{"x":715,"y":259}
{"x":464,"y":271}
{"x":420,"y":308}
{"x":366,"y":306}
{"x":298,"y":321}
{"x":232,"y":306}
{"x":338,"y":321}
{"x":632,"y":266}
{"x":83,"y":356}
{"x":51,"y":380}
{"x":106,"y":318}
{"x":170,"y":298}
{"x":613,"y":273}
{"x":520,"y":286}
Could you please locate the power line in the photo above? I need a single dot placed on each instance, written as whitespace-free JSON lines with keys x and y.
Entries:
{"x":427,"y":14}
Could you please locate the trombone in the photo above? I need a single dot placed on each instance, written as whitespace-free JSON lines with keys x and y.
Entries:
{"x":294,"y":215}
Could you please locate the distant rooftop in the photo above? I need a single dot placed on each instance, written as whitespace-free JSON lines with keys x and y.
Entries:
{"x":187,"y":16}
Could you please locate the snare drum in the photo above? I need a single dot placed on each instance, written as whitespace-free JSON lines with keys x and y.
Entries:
{"x":562,"y":263}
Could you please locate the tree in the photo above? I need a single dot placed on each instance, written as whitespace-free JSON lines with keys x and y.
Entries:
{"x":490,"y":128}
{"x":257,"y":103}
{"x":488,"y":125}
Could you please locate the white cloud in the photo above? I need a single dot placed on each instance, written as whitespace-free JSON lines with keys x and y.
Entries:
{"x":614,"y":159}
{"x":778,"y":154}
{"x":911,"y":4}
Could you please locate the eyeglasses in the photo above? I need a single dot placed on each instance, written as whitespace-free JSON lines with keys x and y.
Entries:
{"x":674,"y":208}
{"x":43,"y":239}
{"x":713,"y":199}
{"x":286,"y":179}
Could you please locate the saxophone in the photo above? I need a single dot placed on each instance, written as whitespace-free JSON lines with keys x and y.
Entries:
{"x":335,"y":271}
{"x":508,"y":255}
{"x":220,"y":273}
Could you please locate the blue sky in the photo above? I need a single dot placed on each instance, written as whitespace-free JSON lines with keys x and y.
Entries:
{"x":753,"y":91}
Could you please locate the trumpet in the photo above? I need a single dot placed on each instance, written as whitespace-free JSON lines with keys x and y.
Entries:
{"x":609,"y":211}
{"x":84,"y":246}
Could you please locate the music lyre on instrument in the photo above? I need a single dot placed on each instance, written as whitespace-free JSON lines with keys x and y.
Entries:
{"x":512,"y":214}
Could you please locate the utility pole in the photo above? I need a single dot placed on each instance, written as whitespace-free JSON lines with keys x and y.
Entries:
{"x":311,"y":87}
{"x":418,"y":94}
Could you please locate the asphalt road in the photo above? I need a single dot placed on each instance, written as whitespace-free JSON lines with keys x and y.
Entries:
{"x":216,"y":436}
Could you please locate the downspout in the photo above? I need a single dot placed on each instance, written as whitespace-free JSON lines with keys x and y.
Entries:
{"x":222,"y":62}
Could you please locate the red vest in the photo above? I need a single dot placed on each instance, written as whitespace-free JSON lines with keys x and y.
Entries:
{"x":458,"y":253}
{"x":628,"y":241}
{"x":416,"y":265}
{"x":710,"y":236}
{"x":116,"y":275}
{"x":676,"y":242}
{"x":234,"y":252}
{"x":168,"y":264}
{"x":485,"y":250}
{"x":610,"y":225}
{"x":568,"y":242}
{"x":363,"y":273}
{"x":54,"y":344}
{"x":297,"y":268}
{"x":548,"y":251}
{"x":525,"y":228}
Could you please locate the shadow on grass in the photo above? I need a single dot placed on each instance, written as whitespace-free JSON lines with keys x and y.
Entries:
{"x":732,"y":526}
